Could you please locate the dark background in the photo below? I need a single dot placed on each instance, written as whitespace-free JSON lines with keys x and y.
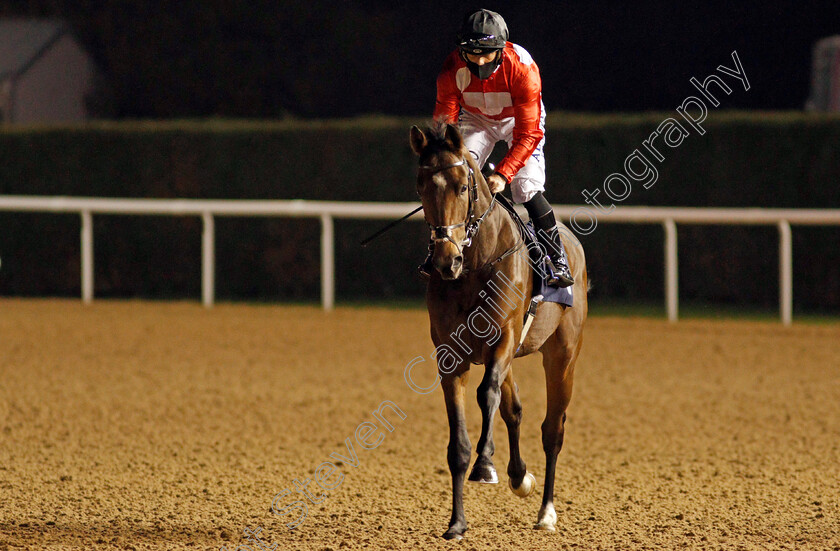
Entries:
{"x":263,"y":58}
{"x":315,"y":60}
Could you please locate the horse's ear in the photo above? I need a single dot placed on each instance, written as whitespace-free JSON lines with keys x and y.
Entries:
{"x":418,"y":140}
{"x":454,"y":137}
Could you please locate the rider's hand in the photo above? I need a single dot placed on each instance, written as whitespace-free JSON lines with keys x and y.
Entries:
{"x":496,"y":182}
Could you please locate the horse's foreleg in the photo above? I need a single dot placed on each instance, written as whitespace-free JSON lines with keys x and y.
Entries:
{"x":489,"y":398}
{"x":511,"y":410}
{"x":458,"y":453}
{"x":559,"y":363}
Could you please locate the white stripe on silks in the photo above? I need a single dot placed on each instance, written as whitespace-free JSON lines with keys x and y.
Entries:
{"x":489,"y":103}
{"x":523,"y":54}
{"x":463,"y":78}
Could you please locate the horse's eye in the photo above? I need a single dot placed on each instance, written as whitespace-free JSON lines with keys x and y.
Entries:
{"x":463,"y":190}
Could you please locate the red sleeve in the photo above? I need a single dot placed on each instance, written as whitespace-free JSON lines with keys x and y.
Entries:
{"x":526,"y":95}
{"x":448,"y":101}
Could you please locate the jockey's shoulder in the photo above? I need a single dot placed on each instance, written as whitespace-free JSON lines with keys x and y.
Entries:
{"x":517,"y":54}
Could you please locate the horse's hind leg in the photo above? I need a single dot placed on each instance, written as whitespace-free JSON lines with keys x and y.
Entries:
{"x":511,"y":410}
{"x":458,"y":453}
{"x":559,"y":363}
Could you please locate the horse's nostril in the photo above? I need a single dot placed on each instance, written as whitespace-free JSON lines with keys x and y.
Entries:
{"x":457,"y":261}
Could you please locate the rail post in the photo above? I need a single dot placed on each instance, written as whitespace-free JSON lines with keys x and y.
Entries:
{"x":208,"y":260}
{"x":671,"y":267}
{"x":87,"y":257}
{"x":785,"y":273}
{"x":327,"y":262}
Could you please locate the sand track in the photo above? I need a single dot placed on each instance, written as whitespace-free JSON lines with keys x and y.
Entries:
{"x":134,"y":425}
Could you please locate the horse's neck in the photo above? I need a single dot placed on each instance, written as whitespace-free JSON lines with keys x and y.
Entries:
{"x":497,"y":232}
{"x":491,"y":241}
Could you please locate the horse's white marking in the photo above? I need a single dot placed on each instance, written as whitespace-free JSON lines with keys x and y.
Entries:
{"x":494,"y":478}
{"x":547,"y":518}
{"x":529,"y":482}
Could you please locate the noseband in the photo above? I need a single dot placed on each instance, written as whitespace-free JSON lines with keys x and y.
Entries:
{"x":472,"y":223}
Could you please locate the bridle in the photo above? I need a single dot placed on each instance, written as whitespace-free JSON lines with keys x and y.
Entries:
{"x":472,"y":223}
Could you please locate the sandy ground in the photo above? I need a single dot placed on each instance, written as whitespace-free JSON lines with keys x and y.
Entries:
{"x":133,"y":425}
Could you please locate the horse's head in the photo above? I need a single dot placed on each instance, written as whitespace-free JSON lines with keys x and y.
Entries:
{"x":447,"y":186}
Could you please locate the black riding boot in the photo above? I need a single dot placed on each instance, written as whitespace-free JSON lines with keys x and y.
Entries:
{"x":545,"y":226}
{"x":427,"y":267}
{"x":561,"y":276}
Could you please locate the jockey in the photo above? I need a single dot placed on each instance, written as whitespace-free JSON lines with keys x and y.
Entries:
{"x":492,"y":89}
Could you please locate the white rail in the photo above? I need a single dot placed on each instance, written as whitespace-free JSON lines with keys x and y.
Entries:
{"x":328,"y":211}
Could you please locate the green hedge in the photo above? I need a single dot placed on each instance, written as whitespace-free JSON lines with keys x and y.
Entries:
{"x":744,"y":160}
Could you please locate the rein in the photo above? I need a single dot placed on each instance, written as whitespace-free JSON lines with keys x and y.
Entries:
{"x":472,"y":223}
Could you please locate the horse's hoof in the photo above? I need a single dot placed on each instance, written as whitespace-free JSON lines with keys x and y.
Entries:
{"x":529,"y":483}
{"x":484,"y":474}
{"x":455,"y":533}
{"x":548,"y":519}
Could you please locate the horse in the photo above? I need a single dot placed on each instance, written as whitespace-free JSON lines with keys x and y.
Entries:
{"x":475,"y":243}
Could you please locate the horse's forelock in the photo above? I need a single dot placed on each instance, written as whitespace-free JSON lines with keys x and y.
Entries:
{"x":437,"y":132}
{"x":438,"y":140}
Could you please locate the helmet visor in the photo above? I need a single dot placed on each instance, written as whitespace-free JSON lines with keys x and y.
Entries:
{"x":479,"y":44}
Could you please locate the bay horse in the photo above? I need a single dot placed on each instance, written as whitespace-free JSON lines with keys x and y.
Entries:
{"x":475,"y":240}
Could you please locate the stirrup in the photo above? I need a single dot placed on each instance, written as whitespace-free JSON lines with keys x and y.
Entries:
{"x":426,"y":268}
{"x":558,"y":276}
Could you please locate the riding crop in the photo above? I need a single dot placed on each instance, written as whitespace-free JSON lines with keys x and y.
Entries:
{"x":389,"y":226}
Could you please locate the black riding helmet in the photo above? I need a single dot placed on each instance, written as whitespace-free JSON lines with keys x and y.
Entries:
{"x":482,"y":32}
